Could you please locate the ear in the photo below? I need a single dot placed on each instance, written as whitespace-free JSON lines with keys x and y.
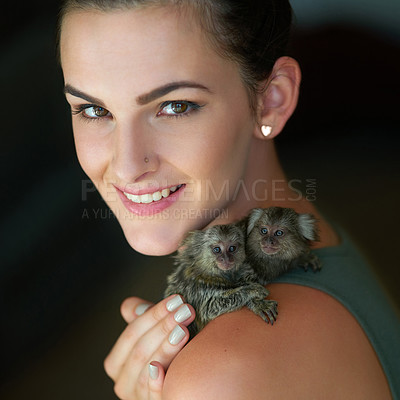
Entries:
{"x":307,"y":226}
{"x":254,"y":216}
{"x":192,"y":244}
{"x":277,"y":102}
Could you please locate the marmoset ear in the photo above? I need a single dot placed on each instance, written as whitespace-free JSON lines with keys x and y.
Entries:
{"x":192,"y":243}
{"x":277,"y":102}
{"x":308,"y":228}
{"x":254,"y":216}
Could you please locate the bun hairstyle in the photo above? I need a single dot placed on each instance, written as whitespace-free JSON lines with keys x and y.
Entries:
{"x":254,"y":34}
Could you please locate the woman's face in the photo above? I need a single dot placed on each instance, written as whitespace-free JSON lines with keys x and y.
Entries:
{"x":162,"y":124}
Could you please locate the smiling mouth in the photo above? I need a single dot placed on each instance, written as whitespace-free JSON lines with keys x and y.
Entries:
{"x":152,"y":197}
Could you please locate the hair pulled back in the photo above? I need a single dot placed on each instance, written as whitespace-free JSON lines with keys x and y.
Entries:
{"x":254,"y":34}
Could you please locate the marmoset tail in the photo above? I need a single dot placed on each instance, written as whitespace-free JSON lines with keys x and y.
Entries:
{"x":278,"y":239}
{"x":213,"y":277}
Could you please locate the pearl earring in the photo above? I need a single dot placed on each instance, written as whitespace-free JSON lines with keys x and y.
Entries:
{"x":266,"y":130}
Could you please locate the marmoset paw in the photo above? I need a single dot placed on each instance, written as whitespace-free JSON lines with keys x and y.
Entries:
{"x":271,"y":310}
{"x":266,"y":309}
{"x":314,"y":263}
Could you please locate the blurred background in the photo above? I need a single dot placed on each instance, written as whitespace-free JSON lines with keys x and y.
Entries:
{"x":65,"y":266}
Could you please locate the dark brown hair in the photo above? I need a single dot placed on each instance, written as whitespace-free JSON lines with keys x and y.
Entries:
{"x":254,"y":34}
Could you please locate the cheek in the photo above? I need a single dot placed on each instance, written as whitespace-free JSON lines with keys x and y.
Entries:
{"x":216,"y":148}
{"x":225,"y":151}
{"x":93,"y":154}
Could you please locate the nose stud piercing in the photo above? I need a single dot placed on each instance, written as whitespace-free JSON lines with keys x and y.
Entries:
{"x":146,"y":160}
{"x":266,"y":130}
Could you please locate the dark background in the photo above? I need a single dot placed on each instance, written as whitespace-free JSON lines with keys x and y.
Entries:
{"x":65,"y":265}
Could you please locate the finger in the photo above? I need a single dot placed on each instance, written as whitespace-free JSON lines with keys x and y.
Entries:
{"x":164,"y":354}
{"x":132,"y":307}
{"x":152,"y":317}
{"x":167,"y":331}
{"x":137,"y":325}
{"x":161,"y":344}
{"x":139,"y":328}
{"x":172,"y":345}
{"x":148,"y":346}
{"x":156,"y":380}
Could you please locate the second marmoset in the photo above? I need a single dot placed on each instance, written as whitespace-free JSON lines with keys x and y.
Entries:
{"x":213,"y":276}
{"x":278,"y":239}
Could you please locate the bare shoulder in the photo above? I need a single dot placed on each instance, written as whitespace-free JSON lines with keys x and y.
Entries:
{"x":316,"y":349}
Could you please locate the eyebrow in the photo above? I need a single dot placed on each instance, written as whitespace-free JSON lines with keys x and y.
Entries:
{"x":144,"y":98}
{"x":78,"y":93}
{"x":170,"y":87}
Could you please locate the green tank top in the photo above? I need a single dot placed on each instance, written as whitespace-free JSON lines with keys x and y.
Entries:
{"x":347,"y":277}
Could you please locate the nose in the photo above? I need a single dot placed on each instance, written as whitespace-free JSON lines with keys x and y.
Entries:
{"x":133,"y":152}
{"x":271,"y":240}
{"x":226,"y":261}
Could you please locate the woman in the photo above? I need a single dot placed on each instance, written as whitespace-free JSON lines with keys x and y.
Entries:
{"x":175,"y":106}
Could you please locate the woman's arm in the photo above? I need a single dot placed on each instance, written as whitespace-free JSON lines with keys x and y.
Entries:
{"x":316,"y":349}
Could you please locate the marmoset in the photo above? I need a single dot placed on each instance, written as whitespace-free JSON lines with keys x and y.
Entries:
{"x":278,"y":239}
{"x":213,"y":276}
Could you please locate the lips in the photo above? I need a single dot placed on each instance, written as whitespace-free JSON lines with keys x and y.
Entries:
{"x":151,"y":197}
{"x":269,"y":249}
{"x":147,"y":204}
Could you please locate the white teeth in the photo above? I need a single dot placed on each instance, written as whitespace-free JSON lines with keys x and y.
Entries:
{"x":146,"y":198}
{"x":156,"y":196}
{"x":133,"y":197}
{"x":149,"y":198}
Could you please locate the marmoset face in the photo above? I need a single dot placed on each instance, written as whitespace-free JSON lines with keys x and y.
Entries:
{"x":162,"y":123}
{"x":272,"y":237}
{"x":224,"y":246}
{"x":279,"y":231}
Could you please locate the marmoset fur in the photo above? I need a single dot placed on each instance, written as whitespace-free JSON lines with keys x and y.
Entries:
{"x":278,"y":239}
{"x":213,"y":276}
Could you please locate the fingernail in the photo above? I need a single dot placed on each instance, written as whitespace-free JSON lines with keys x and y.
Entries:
{"x":176,"y":335}
{"x":141,"y":308}
{"x":182,"y":314}
{"x":174,"y":303}
{"x":153,"y":371}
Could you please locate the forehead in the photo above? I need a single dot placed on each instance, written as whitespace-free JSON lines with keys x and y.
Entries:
{"x":138,"y":49}
{"x":225,"y":232}
{"x":279,"y":216}
{"x":119,"y":32}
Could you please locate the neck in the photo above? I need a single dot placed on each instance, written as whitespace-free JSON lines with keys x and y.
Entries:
{"x":264,"y":184}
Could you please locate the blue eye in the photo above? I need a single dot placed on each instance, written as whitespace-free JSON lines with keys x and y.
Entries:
{"x":216,"y":250}
{"x":232,"y":249}
{"x":264,"y":231}
{"x":177,"y":108}
{"x":279,"y":233}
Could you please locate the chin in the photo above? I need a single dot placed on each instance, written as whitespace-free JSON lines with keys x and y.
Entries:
{"x":151,"y":244}
{"x":158,"y":236}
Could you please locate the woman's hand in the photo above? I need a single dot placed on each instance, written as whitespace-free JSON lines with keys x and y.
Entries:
{"x":154,"y":336}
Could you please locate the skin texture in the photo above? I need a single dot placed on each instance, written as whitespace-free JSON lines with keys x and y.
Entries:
{"x":118,"y":56}
{"x":303,"y":356}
